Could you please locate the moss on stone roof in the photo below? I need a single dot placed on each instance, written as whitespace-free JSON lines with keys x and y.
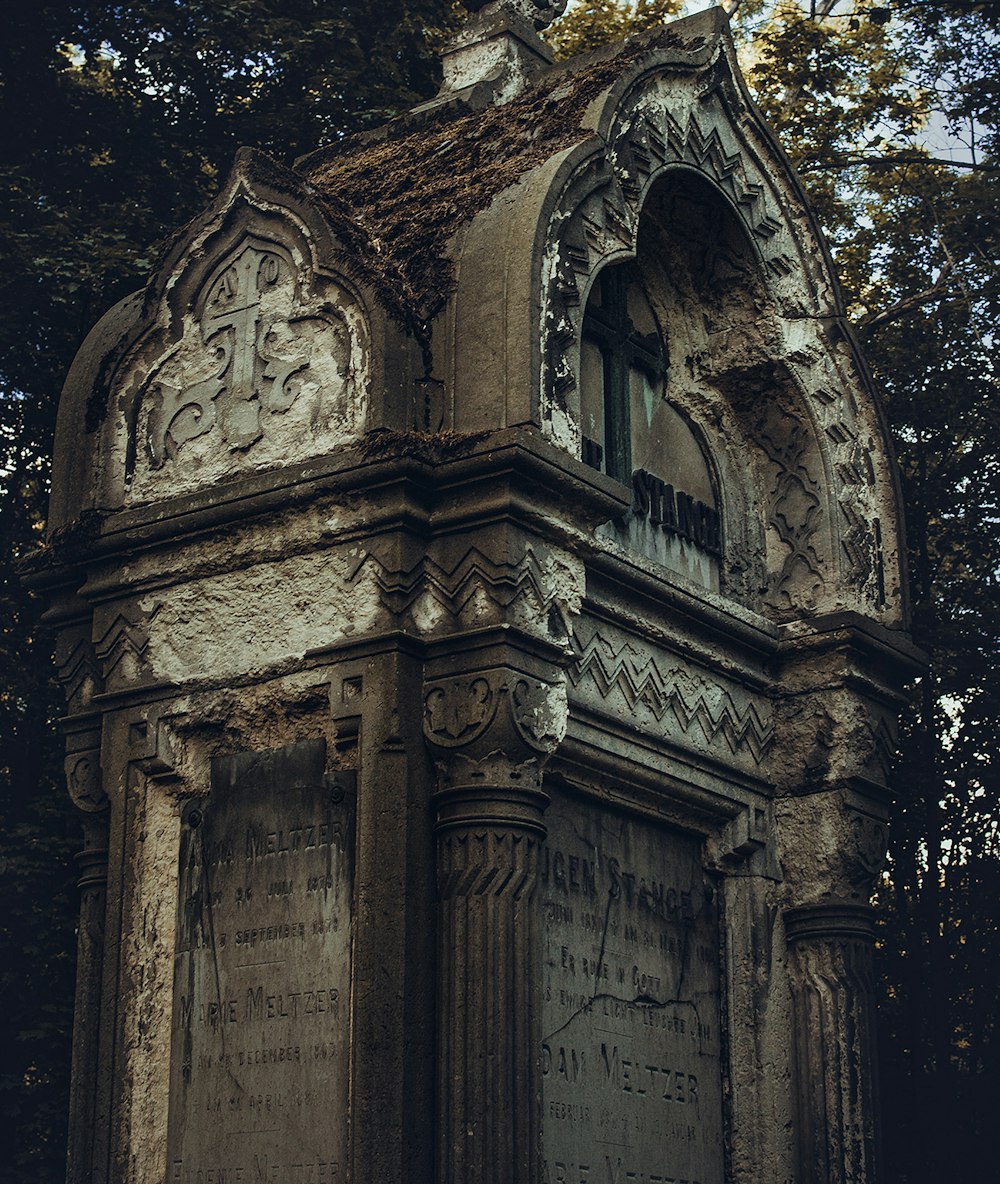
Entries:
{"x":398,"y":200}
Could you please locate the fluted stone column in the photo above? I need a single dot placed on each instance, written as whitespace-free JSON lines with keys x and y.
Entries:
{"x":832,"y":984}
{"x":834,"y":844}
{"x":490,"y":733}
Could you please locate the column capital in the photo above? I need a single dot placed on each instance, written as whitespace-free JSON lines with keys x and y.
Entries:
{"x":493,"y":729}
{"x":490,"y":731}
{"x":832,"y":847}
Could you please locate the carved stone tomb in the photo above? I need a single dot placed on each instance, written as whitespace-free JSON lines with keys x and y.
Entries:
{"x":475,"y":561}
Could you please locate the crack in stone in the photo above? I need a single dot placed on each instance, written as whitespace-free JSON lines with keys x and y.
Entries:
{"x":210,"y":911}
{"x":647,"y":1001}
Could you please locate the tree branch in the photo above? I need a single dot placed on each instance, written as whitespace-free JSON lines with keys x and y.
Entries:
{"x":907,"y":304}
{"x":893,"y":161}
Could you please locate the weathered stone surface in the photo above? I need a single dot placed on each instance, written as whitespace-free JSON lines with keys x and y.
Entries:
{"x":260,"y":1049}
{"x":491,"y":732}
{"x":632,"y":1043}
{"x":514,"y":464}
{"x":256,"y":370}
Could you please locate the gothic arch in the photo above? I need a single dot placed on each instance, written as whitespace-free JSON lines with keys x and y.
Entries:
{"x":803,"y":397}
{"x":251,"y":344}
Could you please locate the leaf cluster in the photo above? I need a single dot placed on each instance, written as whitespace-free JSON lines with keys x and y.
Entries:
{"x":590,"y":26}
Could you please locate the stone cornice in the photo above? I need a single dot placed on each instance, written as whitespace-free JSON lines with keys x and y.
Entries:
{"x":420,"y":466}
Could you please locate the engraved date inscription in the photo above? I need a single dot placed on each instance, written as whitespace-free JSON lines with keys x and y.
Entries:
{"x":631,"y":1074}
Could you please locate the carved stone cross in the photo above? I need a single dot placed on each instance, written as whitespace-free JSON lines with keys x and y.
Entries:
{"x":245,"y":375}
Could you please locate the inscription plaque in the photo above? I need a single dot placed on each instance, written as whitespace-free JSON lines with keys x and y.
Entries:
{"x":262,"y":974}
{"x":631,"y":1067}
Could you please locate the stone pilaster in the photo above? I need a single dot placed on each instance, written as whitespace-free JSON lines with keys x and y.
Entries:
{"x":835,"y":737}
{"x":490,"y":733}
{"x":83,"y":778}
{"x":831,"y":977}
{"x":833,"y":847}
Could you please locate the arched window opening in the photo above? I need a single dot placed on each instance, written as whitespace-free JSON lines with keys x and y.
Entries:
{"x":624,"y":361}
{"x":631,"y":432}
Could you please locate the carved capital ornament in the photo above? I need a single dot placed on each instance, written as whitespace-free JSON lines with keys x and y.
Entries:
{"x":493,"y":727}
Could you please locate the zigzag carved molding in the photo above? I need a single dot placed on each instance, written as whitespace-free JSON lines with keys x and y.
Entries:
{"x":648,"y":146}
{"x":122,"y":639}
{"x":677,"y":695}
{"x":77,"y":670}
{"x":487,"y":862}
{"x":453,"y":588}
{"x":607,"y":219}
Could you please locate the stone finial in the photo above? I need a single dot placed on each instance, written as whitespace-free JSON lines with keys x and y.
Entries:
{"x":498,"y":50}
{"x":540,"y":13}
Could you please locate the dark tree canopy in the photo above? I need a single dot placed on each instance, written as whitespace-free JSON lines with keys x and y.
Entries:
{"x":118,"y":123}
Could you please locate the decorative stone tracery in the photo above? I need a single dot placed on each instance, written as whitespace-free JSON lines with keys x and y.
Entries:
{"x":261,"y":353}
{"x":254,"y":347}
{"x":815,"y":530}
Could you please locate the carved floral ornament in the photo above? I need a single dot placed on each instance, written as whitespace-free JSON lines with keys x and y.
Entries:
{"x":262,"y":358}
{"x":460,"y":711}
{"x":493,"y":729}
{"x":83,"y":781}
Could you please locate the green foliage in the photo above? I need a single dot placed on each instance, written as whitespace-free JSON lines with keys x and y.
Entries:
{"x":589,"y":26}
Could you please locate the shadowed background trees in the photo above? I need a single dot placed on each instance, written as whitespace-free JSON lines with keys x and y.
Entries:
{"x":118,"y":123}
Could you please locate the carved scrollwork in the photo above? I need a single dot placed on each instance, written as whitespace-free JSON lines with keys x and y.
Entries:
{"x":540,"y":718}
{"x":255,"y":352}
{"x":258,"y":349}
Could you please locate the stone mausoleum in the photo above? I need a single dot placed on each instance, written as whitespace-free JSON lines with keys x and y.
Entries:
{"x":475,"y":560}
